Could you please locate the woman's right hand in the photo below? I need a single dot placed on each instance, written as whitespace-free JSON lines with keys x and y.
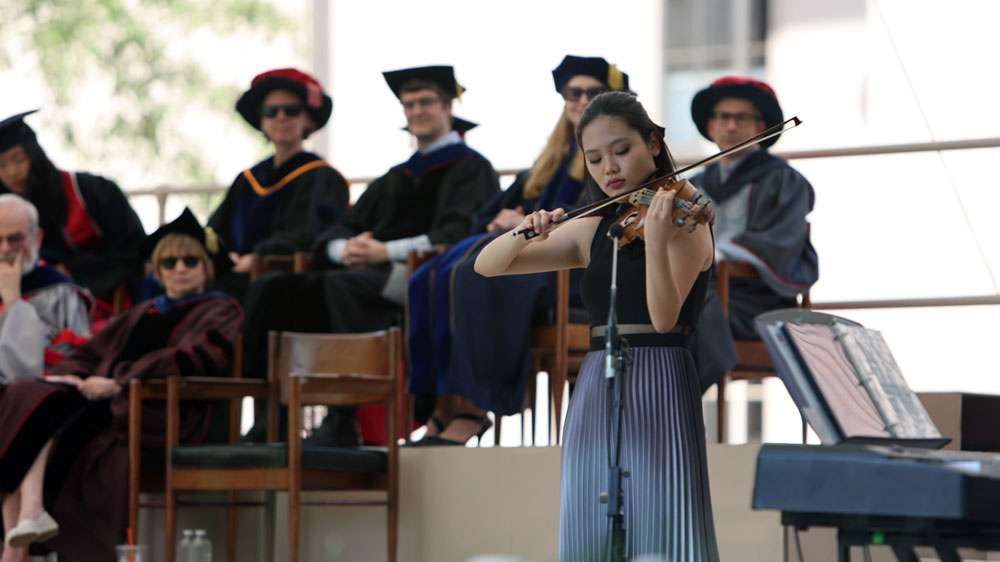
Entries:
{"x":541,"y":222}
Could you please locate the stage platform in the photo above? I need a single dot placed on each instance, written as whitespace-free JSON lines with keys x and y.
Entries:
{"x":458,"y":503}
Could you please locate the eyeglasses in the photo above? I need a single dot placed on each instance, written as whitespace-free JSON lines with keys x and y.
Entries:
{"x":14,"y":239}
{"x":573,"y":94}
{"x":190,"y":262}
{"x":740,"y":118}
{"x":291,"y":110}
{"x":421,"y":102}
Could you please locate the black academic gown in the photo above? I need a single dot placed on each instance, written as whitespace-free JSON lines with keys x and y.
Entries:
{"x":281,"y":210}
{"x":435,"y":194}
{"x":776,"y":242}
{"x":106,"y":259}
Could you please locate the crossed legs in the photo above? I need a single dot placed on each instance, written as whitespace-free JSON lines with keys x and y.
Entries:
{"x":25,"y":504}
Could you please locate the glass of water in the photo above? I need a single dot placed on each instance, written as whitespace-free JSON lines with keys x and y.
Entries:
{"x":131,"y":553}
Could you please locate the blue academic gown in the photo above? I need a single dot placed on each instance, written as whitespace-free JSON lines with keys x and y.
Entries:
{"x":469,"y":334}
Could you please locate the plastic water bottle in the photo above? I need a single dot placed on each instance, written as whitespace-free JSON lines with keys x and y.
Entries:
{"x":184,"y":548}
{"x":201,"y":547}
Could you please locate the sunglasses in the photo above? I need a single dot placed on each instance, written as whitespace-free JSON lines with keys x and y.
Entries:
{"x":291,"y":110}
{"x":573,"y":94}
{"x":190,"y":262}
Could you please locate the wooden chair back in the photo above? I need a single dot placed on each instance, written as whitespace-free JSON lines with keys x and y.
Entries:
{"x":268,"y":263}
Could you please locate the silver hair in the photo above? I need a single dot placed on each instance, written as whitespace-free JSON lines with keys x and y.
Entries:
{"x":14,"y":199}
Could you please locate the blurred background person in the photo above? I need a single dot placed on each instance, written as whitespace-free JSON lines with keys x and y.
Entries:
{"x":92,"y":234}
{"x":43,"y":314}
{"x":761,"y":206}
{"x":282,"y":203}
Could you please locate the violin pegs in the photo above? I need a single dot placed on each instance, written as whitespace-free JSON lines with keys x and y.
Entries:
{"x":694,"y":224}
{"x":680,"y":222}
{"x":696,"y":199}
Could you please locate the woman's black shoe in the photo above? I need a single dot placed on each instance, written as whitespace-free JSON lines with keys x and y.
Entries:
{"x":436,"y":441}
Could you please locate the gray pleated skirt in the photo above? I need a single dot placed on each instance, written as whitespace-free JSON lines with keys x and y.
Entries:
{"x":668,"y":509}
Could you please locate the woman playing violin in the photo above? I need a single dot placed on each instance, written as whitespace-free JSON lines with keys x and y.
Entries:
{"x":662,"y":280}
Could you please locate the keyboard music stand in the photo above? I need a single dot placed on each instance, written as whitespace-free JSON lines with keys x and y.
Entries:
{"x":844,"y":380}
{"x":877,"y":466}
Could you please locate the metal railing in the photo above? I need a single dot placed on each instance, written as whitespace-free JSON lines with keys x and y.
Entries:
{"x":163,"y":192}
{"x":900,"y":149}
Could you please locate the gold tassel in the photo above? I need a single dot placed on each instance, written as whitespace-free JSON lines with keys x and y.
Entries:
{"x":459,"y":90}
{"x":615,"y":79}
{"x":211,"y":240}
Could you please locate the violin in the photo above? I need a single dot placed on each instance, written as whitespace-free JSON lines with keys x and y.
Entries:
{"x":687,"y":198}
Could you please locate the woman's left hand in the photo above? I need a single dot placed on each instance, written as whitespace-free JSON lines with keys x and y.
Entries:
{"x":659,"y":224}
{"x":98,"y":388}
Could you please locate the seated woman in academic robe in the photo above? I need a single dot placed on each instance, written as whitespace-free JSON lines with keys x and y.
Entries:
{"x":457,"y":362}
{"x":92,"y":234}
{"x":63,"y":439}
{"x":280,"y":205}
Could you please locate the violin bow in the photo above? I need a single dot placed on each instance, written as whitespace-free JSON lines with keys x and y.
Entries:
{"x":594,"y":207}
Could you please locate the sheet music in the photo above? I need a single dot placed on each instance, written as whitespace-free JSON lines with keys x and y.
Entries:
{"x":849,"y":404}
{"x":876,"y":369}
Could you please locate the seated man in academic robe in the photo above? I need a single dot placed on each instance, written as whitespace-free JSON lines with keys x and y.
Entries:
{"x":761,"y":207}
{"x":428,"y":200}
{"x":44,"y":314}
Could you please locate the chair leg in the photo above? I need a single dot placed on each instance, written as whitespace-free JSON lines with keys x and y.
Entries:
{"x":392,"y":530}
{"x":720,"y":407}
{"x":170,"y":519}
{"x":533,"y":397}
{"x":805,"y":428}
{"x":496,"y":430}
{"x":556,"y":382}
{"x":407,"y":416}
{"x":232,"y":522}
{"x":269,"y":532}
{"x":294,"y":526}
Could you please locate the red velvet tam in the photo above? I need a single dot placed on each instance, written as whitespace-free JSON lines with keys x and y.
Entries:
{"x":318,"y":103}
{"x":756,"y":92}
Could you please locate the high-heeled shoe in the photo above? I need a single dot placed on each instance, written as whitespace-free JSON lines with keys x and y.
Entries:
{"x":28,"y":531}
{"x":484,"y":422}
{"x":421,"y":442}
{"x":434,"y":441}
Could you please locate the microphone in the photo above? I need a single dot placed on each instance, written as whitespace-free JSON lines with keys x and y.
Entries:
{"x":616,"y":231}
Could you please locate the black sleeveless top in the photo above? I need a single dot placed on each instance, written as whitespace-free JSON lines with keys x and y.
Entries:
{"x":632,"y":307}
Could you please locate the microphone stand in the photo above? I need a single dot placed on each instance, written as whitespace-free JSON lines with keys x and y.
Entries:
{"x":617,"y":359}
